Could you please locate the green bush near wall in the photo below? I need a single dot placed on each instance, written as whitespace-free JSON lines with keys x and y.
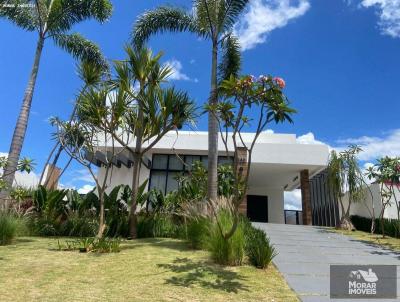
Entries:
{"x":391,"y":226}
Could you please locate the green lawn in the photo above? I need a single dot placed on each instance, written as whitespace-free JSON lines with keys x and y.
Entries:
{"x":387,"y":242}
{"x":145,"y":270}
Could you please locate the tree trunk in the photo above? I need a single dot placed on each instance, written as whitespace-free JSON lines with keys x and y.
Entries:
{"x":137,"y":160}
{"x":101,"y":214}
{"x":22,"y":122}
{"x":212,"y":183}
{"x":60,"y":149}
{"x":134,"y":196}
{"x":345,"y":221}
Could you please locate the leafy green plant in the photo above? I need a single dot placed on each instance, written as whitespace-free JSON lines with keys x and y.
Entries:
{"x":50,"y":202}
{"x":106,"y":245}
{"x":67,"y":245}
{"x":258,"y":249}
{"x":85,"y":244}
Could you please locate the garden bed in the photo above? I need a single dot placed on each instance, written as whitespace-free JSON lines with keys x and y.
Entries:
{"x":145,"y":270}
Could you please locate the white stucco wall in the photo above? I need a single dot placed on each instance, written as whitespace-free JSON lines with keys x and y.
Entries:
{"x":122,"y":176}
{"x":364,"y":208}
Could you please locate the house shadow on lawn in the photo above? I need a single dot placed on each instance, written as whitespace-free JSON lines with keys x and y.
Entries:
{"x":204,"y":274}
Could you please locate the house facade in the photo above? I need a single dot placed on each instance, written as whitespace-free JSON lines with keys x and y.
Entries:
{"x":279,"y":164}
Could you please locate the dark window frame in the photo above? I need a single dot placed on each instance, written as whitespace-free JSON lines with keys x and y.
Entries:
{"x":184,"y":169}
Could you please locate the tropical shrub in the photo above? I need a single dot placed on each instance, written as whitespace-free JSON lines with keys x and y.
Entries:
{"x":258,"y":249}
{"x":106,"y":245}
{"x":77,"y":225}
{"x":226,"y":251}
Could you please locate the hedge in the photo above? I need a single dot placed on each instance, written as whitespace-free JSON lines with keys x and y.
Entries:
{"x":391,"y":226}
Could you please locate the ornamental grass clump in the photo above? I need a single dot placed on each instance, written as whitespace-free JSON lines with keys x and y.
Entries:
{"x":226,"y":251}
{"x":197,"y":232}
{"x":9,"y":226}
{"x":259,"y":250}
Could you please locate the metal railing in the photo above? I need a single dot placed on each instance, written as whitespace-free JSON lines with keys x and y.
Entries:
{"x":293,"y":217}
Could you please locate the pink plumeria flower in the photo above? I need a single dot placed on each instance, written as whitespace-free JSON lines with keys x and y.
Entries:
{"x":280,"y":82}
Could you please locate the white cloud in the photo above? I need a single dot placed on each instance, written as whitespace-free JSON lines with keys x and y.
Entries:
{"x":376,"y":147}
{"x":85,"y":189}
{"x":293,"y":200}
{"x":263,"y":16}
{"x":309,"y":139}
{"x":388,"y":12}
{"x":176,"y":71}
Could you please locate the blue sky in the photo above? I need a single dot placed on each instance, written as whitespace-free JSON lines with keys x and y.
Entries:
{"x":340,"y":60}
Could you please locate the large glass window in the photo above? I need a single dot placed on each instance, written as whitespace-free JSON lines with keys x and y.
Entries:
{"x":166,"y":168}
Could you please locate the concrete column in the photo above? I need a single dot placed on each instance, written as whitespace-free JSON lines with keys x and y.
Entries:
{"x":305,"y":197}
{"x":241,"y":170}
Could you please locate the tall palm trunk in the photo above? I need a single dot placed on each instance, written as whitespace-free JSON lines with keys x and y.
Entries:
{"x":212,"y":189}
{"x":22,"y":122}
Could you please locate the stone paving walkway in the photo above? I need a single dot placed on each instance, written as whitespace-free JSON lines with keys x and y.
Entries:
{"x":306,"y":253}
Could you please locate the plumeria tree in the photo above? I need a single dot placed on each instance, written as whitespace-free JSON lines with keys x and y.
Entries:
{"x":345,"y":177}
{"x":50,"y":20}
{"x":248,"y":104}
{"x":386,"y":172}
{"x":214,"y":21}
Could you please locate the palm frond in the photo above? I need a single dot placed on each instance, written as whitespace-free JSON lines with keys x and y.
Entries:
{"x":22,"y":13}
{"x":229,"y":12}
{"x":65,"y":13}
{"x":160,"y":20}
{"x":80,"y":48}
{"x":207,"y":15}
{"x":231,"y":58}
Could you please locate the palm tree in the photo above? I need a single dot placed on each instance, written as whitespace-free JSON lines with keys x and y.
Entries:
{"x":213,"y":20}
{"x":51,"y":19}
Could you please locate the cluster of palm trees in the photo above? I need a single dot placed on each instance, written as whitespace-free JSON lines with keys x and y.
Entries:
{"x":212,"y":20}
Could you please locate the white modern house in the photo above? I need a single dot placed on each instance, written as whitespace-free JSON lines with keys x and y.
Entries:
{"x":279,"y":163}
